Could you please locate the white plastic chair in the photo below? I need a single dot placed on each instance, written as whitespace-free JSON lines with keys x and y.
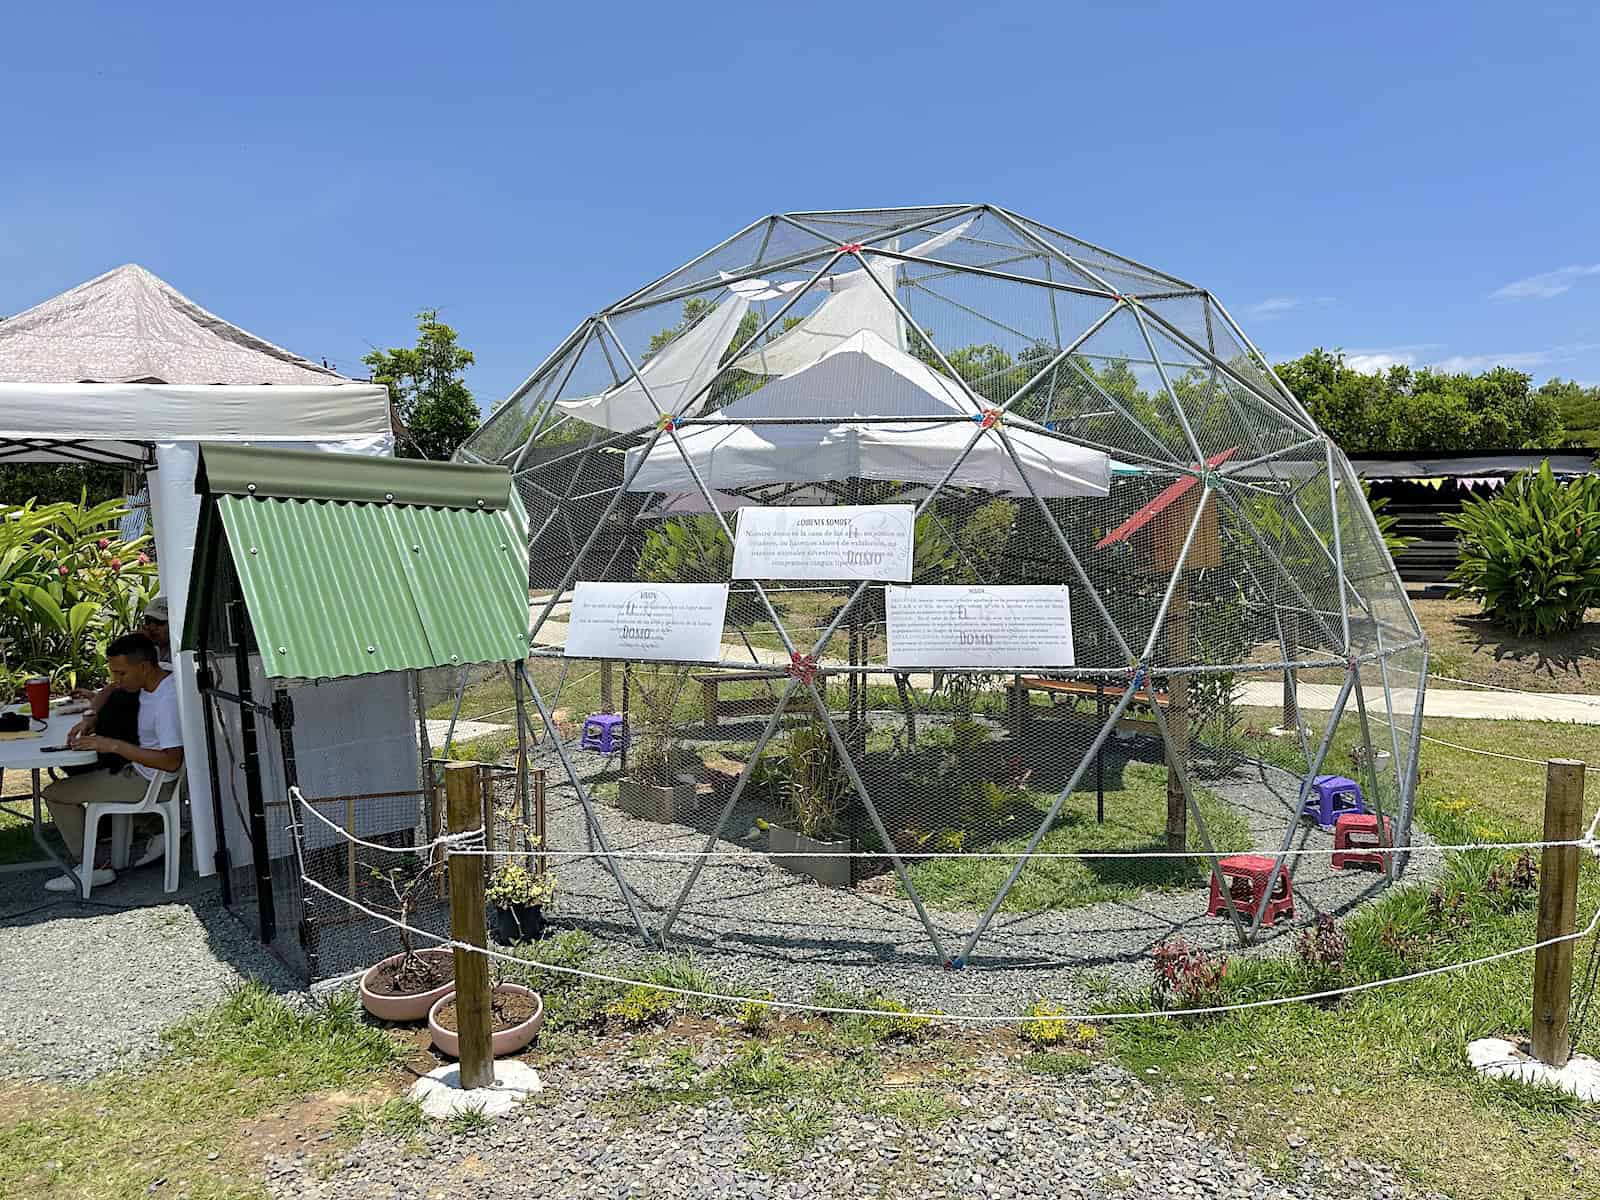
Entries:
{"x":122,"y":828}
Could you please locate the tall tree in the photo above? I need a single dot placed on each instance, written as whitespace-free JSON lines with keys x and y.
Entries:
{"x":427,"y":390}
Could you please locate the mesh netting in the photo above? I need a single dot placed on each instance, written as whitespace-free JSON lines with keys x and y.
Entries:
{"x":1237,"y":626}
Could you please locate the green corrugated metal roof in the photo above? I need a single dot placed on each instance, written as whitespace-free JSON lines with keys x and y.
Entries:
{"x":228,"y":470}
{"x":339,"y":587}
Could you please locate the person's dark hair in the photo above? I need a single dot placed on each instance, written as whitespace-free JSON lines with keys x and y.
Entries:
{"x":135,"y":647}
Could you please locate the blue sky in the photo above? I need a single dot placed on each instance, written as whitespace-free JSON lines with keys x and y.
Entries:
{"x":1410,"y":183}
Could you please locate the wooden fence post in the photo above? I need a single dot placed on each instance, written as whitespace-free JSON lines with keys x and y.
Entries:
{"x":538,"y":818}
{"x":466,"y":925}
{"x":1558,"y":911}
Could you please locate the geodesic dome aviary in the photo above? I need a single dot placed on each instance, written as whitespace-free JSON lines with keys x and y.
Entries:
{"x":1053,"y":416}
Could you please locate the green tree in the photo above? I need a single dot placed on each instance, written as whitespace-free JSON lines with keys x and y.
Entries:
{"x":426,"y":388}
{"x":50,"y":482}
{"x":1404,"y":411}
{"x":1579,"y":407}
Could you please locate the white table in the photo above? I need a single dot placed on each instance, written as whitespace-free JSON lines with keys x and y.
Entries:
{"x":39,"y":753}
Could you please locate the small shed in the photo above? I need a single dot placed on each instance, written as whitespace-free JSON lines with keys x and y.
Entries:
{"x":320,"y":580}
{"x":1419,"y":493}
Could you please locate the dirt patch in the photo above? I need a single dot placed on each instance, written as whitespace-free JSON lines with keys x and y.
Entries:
{"x":20,"y":1101}
{"x":306,"y":1125}
{"x":1464,"y":644}
{"x":688,"y":1026}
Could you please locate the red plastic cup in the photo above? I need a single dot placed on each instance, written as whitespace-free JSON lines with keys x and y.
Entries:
{"x":39,"y":697}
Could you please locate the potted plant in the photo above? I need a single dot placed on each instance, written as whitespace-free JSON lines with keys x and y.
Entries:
{"x":662,"y":780}
{"x":815,"y":790}
{"x":519,"y":896}
{"x":515,"y":1016}
{"x":404,"y":986}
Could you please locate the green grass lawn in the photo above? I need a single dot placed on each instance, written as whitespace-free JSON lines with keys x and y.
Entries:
{"x":174,"y":1129}
{"x":1386,"y":1070}
{"x":1136,"y":819}
{"x":16,"y":835}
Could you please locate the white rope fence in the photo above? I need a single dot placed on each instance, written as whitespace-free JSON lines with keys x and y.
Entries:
{"x":954,"y":1018}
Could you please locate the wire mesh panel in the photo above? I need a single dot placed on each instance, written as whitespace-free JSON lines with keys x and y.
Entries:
{"x":1047,"y":414}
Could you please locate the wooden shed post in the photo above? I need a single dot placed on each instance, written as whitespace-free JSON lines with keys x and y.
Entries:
{"x":465,"y":811}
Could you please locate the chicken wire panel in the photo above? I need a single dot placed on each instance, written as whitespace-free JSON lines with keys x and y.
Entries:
{"x":1251,"y":369}
{"x":1225,"y":417}
{"x":987,"y":243}
{"x":878,"y":225}
{"x":745,"y":252}
{"x":1114,"y":269}
{"x":507,"y":430}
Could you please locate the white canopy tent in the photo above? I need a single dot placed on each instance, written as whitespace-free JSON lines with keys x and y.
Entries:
{"x":125,"y":370}
{"x":845,"y":397}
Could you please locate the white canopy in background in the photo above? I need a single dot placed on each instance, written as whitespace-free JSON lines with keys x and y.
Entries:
{"x":127,"y":368}
{"x":865,"y":376}
{"x":114,"y":419}
{"x":128,"y":326}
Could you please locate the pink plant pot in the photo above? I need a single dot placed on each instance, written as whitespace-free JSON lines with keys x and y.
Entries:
{"x":406,"y":1008}
{"x":504,"y":1041}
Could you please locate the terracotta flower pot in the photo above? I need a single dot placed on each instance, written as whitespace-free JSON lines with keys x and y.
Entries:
{"x":503,"y":1041}
{"x":413,"y":1007}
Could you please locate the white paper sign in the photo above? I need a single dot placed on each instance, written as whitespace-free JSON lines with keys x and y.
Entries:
{"x":671,"y":622}
{"x":974,"y":626}
{"x":837,"y":541}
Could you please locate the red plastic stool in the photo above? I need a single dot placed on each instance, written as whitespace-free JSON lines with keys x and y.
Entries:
{"x":1247,"y":876}
{"x":1355,"y":841}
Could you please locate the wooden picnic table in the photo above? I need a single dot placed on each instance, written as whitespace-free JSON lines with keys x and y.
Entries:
{"x":1076,"y":689}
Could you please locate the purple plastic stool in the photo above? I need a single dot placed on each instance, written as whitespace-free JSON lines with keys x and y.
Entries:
{"x":1330,"y":796}
{"x":602,"y":732}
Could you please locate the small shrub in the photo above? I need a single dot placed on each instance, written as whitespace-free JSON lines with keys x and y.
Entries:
{"x":755,"y":1014}
{"x":1531,"y":554}
{"x":640,"y":1005}
{"x":1447,"y":912}
{"x":899,"y":1024}
{"x":1515,"y":887}
{"x":1049,"y":1026}
{"x":894,"y":1024}
{"x":1401,"y":943}
{"x":1322,"y":948}
{"x":1187,"y":976}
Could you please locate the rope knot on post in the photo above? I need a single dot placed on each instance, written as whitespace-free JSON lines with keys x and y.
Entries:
{"x":802,"y":667}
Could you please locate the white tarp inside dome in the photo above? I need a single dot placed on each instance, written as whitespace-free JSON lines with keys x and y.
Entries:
{"x":865,"y":377}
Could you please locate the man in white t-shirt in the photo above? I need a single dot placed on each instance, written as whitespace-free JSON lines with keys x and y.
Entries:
{"x":134,"y":664}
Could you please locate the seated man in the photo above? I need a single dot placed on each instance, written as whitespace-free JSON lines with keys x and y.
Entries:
{"x":114,"y":713}
{"x":134,"y":665}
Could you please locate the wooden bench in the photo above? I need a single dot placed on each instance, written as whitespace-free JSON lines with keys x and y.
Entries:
{"x":1105,"y":697}
{"x":1103,"y":694}
{"x":745,"y":706}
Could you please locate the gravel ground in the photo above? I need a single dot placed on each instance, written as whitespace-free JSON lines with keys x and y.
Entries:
{"x":753,"y":923}
{"x":87,"y":988}
{"x":1094,"y":1134}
